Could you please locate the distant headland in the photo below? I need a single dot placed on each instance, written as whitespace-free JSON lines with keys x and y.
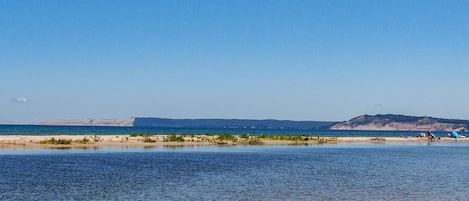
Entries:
{"x":195,"y":123}
{"x":365,"y":122}
{"x":392,"y":122}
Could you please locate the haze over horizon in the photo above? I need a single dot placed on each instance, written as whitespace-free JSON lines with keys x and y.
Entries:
{"x":287,"y":60}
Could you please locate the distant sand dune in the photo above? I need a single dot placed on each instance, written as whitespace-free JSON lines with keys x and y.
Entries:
{"x":91,"y":122}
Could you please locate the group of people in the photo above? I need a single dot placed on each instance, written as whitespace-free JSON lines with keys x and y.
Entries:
{"x":429,"y":134}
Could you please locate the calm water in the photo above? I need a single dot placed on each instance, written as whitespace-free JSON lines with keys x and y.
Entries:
{"x":104,"y":130}
{"x":391,"y":171}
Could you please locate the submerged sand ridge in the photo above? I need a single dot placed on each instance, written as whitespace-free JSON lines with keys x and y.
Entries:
{"x":7,"y":141}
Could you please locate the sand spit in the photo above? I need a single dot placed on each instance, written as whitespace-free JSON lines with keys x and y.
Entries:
{"x":13,"y":141}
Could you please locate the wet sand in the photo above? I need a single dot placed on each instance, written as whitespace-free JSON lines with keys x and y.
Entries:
{"x":26,"y":141}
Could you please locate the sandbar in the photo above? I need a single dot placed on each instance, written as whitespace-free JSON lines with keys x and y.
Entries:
{"x":39,"y":141}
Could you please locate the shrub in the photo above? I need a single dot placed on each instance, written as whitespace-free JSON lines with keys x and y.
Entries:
{"x":226,"y":136}
{"x":54,"y":141}
{"x":83,"y":141}
{"x":149,"y":139}
{"x":174,"y":138}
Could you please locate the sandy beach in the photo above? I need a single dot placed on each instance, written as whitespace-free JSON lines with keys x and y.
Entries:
{"x":28,"y":141}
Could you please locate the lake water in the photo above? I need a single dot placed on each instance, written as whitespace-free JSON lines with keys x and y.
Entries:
{"x":389,"y":171}
{"x":112,"y":130}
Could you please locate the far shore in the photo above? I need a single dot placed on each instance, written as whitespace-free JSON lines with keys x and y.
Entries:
{"x":32,"y":141}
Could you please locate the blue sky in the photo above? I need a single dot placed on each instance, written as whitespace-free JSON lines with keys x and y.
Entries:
{"x":298,"y":60}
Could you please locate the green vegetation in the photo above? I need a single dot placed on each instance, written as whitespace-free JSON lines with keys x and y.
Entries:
{"x":174,"y":138}
{"x":327,"y":140}
{"x":83,"y":141}
{"x":140,"y":135}
{"x":226,"y":137}
{"x":255,"y":141}
{"x":55,"y":141}
{"x":211,"y":138}
{"x":149,"y":139}
{"x":296,"y":139}
{"x":245,"y":136}
{"x":284,"y":137}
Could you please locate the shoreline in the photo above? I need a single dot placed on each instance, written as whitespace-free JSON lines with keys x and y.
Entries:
{"x":79,"y":141}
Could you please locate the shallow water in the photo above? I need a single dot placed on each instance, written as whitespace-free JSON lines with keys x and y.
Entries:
{"x":391,"y":171}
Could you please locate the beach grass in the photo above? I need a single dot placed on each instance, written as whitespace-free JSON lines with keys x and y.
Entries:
{"x":141,"y":135}
{"x":226,"y":137}
{"x":56,"y":141}
{"x":174,"y":138}
{"x":82,"y":141}
{"x":148,"y":139}
{"x":284,"y":137}
{"x":189,"y":140}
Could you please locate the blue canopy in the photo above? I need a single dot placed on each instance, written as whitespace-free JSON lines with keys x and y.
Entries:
{"x":454,"y":134}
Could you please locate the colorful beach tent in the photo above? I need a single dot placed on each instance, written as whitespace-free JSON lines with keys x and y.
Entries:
{"x":454,"y":134}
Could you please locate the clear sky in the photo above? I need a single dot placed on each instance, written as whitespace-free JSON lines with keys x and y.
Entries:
{"x":280,"y":59}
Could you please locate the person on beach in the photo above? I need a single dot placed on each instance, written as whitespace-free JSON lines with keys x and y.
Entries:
{"x":430,"y":135}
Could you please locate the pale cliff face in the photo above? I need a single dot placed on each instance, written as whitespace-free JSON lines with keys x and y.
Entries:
{"x":91,"y":122}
